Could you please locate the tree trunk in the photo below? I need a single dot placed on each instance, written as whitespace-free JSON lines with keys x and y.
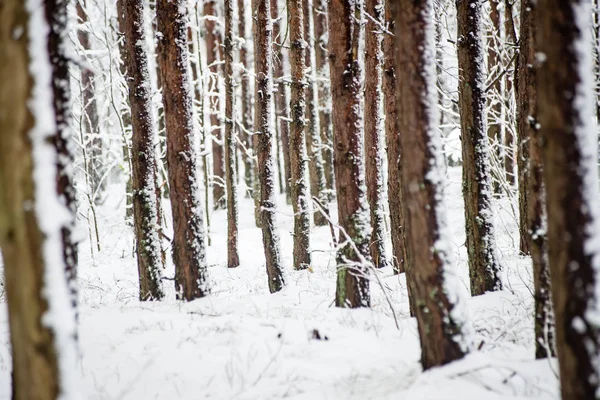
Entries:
{"x":280,"y":100}
{"x":392,"y":135}
{"x":92,"y":144}
{"x":188,"y":238}
{"x":495,"y":100}
{"x":297,"y":150}
{"x":321,"y":35}
{"x":214,"y":55}
{"x":263,"y":128}
{"x":439,"y":308}
{"x":374,"y":128}
{"x":571,"y":178}
{"x":510,"y":83}
{"x":246,"y":121}
{"x":346,"y":71}
{"x":233,"y":256}
{"x":318,"y":184}
{"x":146,"y":219}
{"x":484,"y":268}
{"x":40,"y":311}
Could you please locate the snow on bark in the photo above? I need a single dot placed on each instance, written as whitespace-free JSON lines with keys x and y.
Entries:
{"x":52,"y":214}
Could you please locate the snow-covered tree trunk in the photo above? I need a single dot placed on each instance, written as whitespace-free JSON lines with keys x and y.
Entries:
{"x":214,"y":56}
{"x":297,"y":150}
{"x":318,"y":183}
{"x":264,"y":131}
{"x":33,"y":215}
{"x":143,"y":140}
{"x":484,"y":266}
{"x":233,"y":256}
{"x":246,"y":122}
{"x":567,"y":127}
{"x":510,"y":59}
{"x":346,"y":70}
{"x":495,"y":99}
{"x":433,"y":284}
{"x":392,"y":135}
{"x":188,"y":238}
{"x":374,"y":129}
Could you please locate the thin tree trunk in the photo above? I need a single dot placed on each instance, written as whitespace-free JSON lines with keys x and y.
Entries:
{"x":321,"y":43}
{"x":40,"y":311}
{"x":297,"y":150}
{"x":263,"y":128}
{"x":246,"y":103}
{"x":233,"y":256}
{"x":188,"y":239}
{"x":318,"y":184}
{"x":346,"y":69}
{"x":571,"y":178}
{"x":510,"y":83}
{"x":374,"y":128}
{"x":484,"y":267}
{"x":214,"y":55}
{"x":439,"y":308}
{"x":495,"y":100}
{"x":392,"y":135}
{"x":146,"y":218}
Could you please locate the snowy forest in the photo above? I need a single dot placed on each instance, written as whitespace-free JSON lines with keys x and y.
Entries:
{"x":299,"y":199}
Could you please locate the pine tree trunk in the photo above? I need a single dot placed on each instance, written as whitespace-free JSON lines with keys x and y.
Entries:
{"x":346,"y":71}
{"x":297,"y":150}
{"x":40,"y":312}
{"x":495,"y":101}
{"x":374,"y":128}
{"x":233,"y":256}
{"x":318,"y":184}
{"x":93,"y":144}
{"x":56,"y":15}
{"x":263,"y":128}
{"x":571,"y":178}
{"x":392,"y":135}
{"x":321,"y":35}
{"x":443,"y":328}
{"x":246,"y":103}
{"x":188,"y":238}
{"x":484,"y":267}
{"x":214,"y":55}
{"x":146,"y":219}
{"x":510,"y":84}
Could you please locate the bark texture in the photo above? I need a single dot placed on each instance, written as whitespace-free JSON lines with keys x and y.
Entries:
{"x":437,"y":307}
{"x":348,"y":132}
{"x":143,"y":140}
{"x":571,"y":177}
{"x":495,"y":100}
{"x":484,"y":267}
{"x":297,"y":150}
{"x":392,"y":137}
{"x":233,"y":256}
{"x":374,"y":128}
{"x":189,"y":253}
{"x":263,"y":128}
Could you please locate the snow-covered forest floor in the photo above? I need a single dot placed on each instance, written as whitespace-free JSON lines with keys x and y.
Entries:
{"x":243,"y":343}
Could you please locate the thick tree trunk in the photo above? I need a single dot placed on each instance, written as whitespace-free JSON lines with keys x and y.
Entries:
{"x":495,"y":100}
{"x":484,"y":267}
{"x":318,"y":184}
{"x":246,"y":121}
{"x":214,"y":55}
{"x":40,"y":312}
{"x":348,"y":130}
{"x":146,"y":218}
{"x":233,"y":256}
{"x":321,"y":43}
{"x":392,"y":135}
{"x":374,"y":128}
{"x":439,"y":308}
{"x":571,"y":177}
{"x":297,"y":150}
{"x":93,"y":143}
{"x":263,"y":128}
{"x":188,"y":239}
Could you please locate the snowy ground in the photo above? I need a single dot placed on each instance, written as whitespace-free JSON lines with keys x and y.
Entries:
{"x":244,"y":343}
